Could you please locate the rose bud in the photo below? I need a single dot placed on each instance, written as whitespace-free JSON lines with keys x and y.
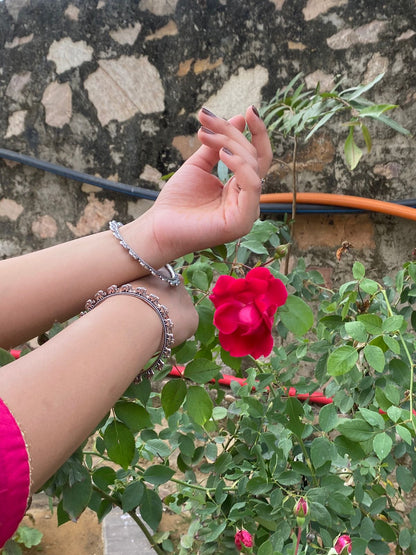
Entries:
{"x":243,"y":539}
{"x":245,"y":310}
{"x":343,"y":545}
{"x":300,"y":510}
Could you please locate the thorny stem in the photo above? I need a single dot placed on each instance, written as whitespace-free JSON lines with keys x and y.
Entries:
{"x":409,"y":358}
{"x":294,"y":192}
{"x":298,"y":540}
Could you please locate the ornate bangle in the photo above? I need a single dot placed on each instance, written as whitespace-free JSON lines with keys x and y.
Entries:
{"x":153,"y":301}
{"x":172,"y":279}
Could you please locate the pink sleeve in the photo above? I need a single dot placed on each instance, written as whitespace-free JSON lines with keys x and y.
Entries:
{"x":14,"y":475}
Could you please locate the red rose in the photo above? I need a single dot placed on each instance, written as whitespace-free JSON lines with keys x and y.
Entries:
{"x":245,"y":311}
{"x":243,"y":538}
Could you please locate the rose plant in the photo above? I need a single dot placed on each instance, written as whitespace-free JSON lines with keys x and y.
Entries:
{"x":249,"y":455}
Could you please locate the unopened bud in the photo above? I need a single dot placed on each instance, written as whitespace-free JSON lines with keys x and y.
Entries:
{"x":343,"y":545}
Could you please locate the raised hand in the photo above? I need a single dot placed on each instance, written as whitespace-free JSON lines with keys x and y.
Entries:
{"x":195,"y":210}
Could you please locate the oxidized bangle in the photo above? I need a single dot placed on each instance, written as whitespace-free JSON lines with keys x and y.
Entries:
{"x":172,"y":279}
{"x":153,"y":301}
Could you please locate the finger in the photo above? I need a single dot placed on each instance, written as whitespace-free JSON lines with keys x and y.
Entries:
{"x":233,"y":128}
{"x":260,"y":140}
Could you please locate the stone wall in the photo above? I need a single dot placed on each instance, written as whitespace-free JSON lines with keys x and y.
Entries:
{"x":111,"y":88}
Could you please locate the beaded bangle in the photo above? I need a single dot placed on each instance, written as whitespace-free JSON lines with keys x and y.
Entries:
{"x":153,"y":301}
{"x":172,"y":279}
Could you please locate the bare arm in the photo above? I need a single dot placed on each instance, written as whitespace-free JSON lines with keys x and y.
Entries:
{"x":59,"y":392}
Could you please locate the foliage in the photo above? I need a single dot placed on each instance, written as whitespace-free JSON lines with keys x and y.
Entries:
{"x":298,"y":112}
{"x":25,"y":536}
{"x":243,"y":459}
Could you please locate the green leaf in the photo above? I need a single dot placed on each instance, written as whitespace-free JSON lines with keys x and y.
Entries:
{"x":328,"y":417}
{"x":29,"y":536}
{"x":355,"y":430}
{"x":322,"y":450}
{"x":198,"y":404}
{"x":385,"y":530}
{"x":296,"y":315}
{"x":357,"y":331}
{"x":202,"y":370}
{"x":158,"y":474}
{"x":104,"y":477}
{"x":294,"y":411}
{"x":353,"y":153}
{"x":151,"y":508}
{"x":382,"y":444}
{"x":369,"y":286}
{"x":119,"y":442}
{"x":358,"y":270}
{"x":342,"y":360}
{"x":133,"y":415}
{"x":373,"y":417}
{"x":372,"y":323}
{"x":172,"y":396}
{"x":75,"y":498}
{"x":340,"y":503}
{"x":132,"y":496}
{"x":404,"y":478}
{"x":5,"y":357}
{"x":404,"y":434}
{"x":375,"y":357}
{"x":393,"y":323}
{"x":366,"y":136}
{"x":258,"y":486}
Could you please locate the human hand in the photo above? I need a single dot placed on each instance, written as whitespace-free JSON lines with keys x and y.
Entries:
{"x":178,"y":302}
{"x":195,"y":210}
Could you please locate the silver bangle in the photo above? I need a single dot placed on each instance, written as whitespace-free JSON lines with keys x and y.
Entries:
{"x":172,"y":279}
{"x":153,"y":301}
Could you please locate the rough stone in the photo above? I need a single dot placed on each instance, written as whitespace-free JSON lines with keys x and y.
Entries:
{"x":67,"y":54}
{"x":377,"y":64}
{"x":161,"y":7}
{"x":321,"y":230}
{"x":406,"y":35}
{"x":95,"y":216}
{"x":10,"y":209}
{"x":72,"y":12}
{"x":366,"y":34}
{"x":296,"y":45}
{"x":314,"y":8}
{"x":17,"y":84}
{"x":152,"y":175}
{"x":184,"y":67}
{"x":389,"y":170}
{"x":19,"y":41}
{"x":239,"y":92}
{"x":326,"y":81}
{"x":206,"y":65}
{"x":57,"y":100}
{"x":186,"y":144}
{"x":45,"y":227}
{"x":168,"y":30}
{"x":14,"y":7}
{"x":127,"y":35}
{"x":278,"y":4}
{"x":16,"y":124}
{"x":120,"y":88}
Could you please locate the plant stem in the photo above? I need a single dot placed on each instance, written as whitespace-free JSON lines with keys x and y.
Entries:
{"x":298,"y":541}
{"x":135,"y":517}
{"x":294,"y":192}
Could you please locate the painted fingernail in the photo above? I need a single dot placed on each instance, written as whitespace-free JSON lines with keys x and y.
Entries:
{"x":208,"y":112}
{"x":255,"y":110}
{"x":206,"y":130}
{"x":227,"y":151}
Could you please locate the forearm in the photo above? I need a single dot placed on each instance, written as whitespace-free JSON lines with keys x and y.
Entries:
{"x":69,"y":383}
{"x":52,"y":285}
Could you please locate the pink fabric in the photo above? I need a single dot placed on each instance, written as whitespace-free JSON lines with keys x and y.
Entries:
{"x":14,"y":475}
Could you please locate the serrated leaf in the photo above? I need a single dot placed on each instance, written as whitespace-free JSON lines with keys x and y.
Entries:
{"x":328,"y":417}
{"x":382,"y":444}
{"x":357,"y":331}
{"x":151,"y":508}
{"x":132,"y":496}
{"x":133,"y":415}
{"x":296,"y":315}
{"x":202,"y":370}
{"x":358,"y":270}
{"x":404,"y":434}
{"x":75,"y":498}
{"x":373,"y":417}
{"x":342,"y":360}
{"x":172,"y":396}
{"x":158,"y":474}
{"x":355,"y":429}
{"x":119,"y":442}
{"x":375,"y":357}
{"x":198,"y":404}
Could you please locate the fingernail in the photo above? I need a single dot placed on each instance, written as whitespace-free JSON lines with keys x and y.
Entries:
{"x":206,"y":130}
{"x":227,"y":151}
{"x":255,"y":110}
{"x":208,"y":112}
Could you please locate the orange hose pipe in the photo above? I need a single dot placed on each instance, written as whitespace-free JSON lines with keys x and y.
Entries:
{"x":349,"y":201}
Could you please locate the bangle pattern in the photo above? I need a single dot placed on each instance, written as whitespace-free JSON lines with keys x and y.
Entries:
{"x":160,"y":309}
{"x":173,"y":278}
